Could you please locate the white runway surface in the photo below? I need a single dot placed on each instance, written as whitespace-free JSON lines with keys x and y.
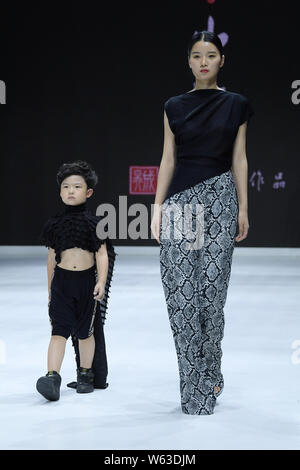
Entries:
{"x":258,"y":409}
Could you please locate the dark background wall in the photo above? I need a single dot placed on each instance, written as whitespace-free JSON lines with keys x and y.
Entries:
{"x":87,"y":83}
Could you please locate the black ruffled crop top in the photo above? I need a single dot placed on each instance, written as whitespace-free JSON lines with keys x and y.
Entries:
{"x":75,"y":226}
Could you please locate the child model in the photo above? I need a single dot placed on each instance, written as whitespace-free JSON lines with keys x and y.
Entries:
{"x":80,"y":267}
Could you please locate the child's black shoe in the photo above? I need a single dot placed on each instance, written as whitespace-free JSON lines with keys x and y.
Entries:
{"x":85,"y":380}
{"x":74,"y":385}
{"x":49,"y":385}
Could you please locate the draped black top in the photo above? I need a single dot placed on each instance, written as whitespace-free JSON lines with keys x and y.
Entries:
{"x":205,"y":123}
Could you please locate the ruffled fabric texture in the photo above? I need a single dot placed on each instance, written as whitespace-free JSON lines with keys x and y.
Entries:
{"x":77,"y":228}
{"x":71,"y":230}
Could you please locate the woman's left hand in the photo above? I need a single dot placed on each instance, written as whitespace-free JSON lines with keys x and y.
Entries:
{"x":99,"y":291}
{"x":243,"y":226}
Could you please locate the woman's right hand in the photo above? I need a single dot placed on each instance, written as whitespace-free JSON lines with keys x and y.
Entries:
{"x":155,"y":223}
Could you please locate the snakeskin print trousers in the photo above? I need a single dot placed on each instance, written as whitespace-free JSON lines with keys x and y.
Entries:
{"x":195,"y":269}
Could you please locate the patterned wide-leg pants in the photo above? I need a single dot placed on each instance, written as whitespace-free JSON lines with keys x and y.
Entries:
{"x":195,"y":282}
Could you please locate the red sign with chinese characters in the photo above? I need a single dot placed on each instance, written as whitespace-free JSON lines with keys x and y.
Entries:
{"x":143,"y":179}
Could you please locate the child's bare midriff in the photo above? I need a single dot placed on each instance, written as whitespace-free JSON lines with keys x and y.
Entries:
{"x":76,"y":259}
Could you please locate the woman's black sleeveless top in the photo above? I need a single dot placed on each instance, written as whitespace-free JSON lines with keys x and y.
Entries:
{"x":205,"y":123}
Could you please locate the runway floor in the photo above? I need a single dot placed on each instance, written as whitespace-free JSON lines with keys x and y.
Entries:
{"x":258,"y":409}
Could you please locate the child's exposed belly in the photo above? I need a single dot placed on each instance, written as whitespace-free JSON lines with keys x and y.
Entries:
{"x":76,"y":259}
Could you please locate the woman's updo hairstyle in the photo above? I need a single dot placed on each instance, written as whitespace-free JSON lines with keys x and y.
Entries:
{"x":208,"y":36}
{"x":78,"y":167}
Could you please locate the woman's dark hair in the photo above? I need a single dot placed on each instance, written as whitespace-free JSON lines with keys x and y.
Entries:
{"x":77,"y":168}
{"x":205,"y":36}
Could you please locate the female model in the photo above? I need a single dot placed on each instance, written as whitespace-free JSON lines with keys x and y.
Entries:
{"x":204,"y":159}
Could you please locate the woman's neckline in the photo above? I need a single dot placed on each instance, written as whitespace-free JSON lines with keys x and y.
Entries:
{"x":204,"y":89}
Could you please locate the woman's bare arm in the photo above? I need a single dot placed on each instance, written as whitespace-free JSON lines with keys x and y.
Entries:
{"x":240,"y":167}
{"x":168,"y":163}
{"x":240,"y":172}
{"x":165,"y":174}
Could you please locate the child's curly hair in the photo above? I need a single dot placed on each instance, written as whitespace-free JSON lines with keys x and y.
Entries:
{"x":79,"y":167}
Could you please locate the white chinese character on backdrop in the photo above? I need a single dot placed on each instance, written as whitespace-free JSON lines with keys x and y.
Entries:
{"x":137,"y":179}
{"x":257,"y":178}
{"x":149,"y":177}
{"x":279,"y":183}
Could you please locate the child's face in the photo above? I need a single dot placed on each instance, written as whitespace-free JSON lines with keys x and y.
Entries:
{"x":74,"y":190}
